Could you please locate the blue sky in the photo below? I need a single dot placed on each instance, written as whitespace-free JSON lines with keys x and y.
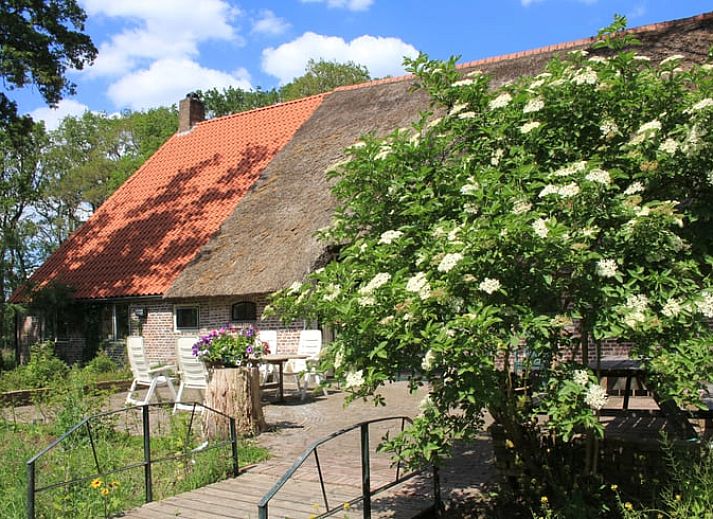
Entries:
{"x":152,"y":52}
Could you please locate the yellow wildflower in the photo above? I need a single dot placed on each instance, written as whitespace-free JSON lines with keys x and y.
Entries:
{"x":628,"y":506}
{"x":346,"y":506}
{"x":678,"y":497}
{"x":544,"y":500}
{"x":509,"y":444}
{"x":96,"y":483}
{"x":114,"y":484}
{"x":105,"y":491}
{"x":614,"y":488}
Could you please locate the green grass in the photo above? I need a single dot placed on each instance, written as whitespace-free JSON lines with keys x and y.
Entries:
{"x":116,"y":446}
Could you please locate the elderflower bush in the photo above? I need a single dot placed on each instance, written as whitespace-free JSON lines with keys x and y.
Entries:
{"x":566,"y":209}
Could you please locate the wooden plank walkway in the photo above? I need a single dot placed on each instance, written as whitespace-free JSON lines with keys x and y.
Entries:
{"x":296,"y":425}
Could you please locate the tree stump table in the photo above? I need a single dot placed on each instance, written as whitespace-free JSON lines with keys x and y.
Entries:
{"x":235,"y":392}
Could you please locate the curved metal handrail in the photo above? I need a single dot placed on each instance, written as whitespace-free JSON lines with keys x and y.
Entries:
{"x":312,"y":449}
{"x":146,"y":463}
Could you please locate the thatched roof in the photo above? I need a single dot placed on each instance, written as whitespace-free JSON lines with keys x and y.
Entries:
{"x":268,"y":242}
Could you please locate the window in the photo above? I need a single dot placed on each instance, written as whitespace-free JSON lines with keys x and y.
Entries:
{"x":186,"y":317}
{"x":244,"y":311}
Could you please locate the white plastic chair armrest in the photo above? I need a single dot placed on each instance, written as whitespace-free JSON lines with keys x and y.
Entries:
{"x":161,"y":369}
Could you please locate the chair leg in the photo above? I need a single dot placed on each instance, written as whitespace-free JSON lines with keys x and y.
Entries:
{"x":178,"y":397}
{"x":130,"y":400}
{"x":150,"y":392}
{"x":171,"y":388}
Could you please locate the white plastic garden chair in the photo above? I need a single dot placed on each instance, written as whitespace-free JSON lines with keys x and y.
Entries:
{"x":268,"y":370}
{"x":145,"y":375}
{"x":305,"y":370}
{"x":194,"y":374}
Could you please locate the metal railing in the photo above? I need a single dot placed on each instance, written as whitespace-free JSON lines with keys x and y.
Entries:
{"x":367,"y":491}
{"x":148,"y":461}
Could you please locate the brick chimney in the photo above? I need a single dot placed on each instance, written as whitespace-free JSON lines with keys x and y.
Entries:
{"x":190,"y":112}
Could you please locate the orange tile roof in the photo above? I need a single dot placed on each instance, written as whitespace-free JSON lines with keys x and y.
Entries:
{"x":145,"y":234}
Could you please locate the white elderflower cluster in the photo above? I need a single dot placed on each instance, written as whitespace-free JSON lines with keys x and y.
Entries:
{"x":650,"y":127}
{"x":598,"y":59}
{"x":449,"y":261}
{"x":458,"y":108}
{"x":596,"y":397}
{"x":331,"y":292}
{"x":599,"y":176}
{"x":294,"y":287}
{"x":428,"y":360}
{"x":489,"y":285}
{"x":470,"y":188}
{"x":377,"y":281}
{"x":388,"y":237}
{"x":539,"y":226}
{"x":533,"y":105}
{"x":641,"y":57}
{"x":702,"y":104}
{"x":607,"y":268}
{"x":568,"y":190}
{"x":585,"y":76}
{"x":635,"y":187}
{"x":581,"y":377}
{"x":693,"y":139}
{"x":521,"y":207}
{"x":609,"y":129}
{"x":466,"y":115}
{"x":501,"y":101}
{"x":590,"y":232}
{"x":384,"y":152}
{"x":672,"y":307}
{"x":338,"y":359}
{"x":354,"y":379}
{"x":669,"y":146}
{"x":528,"y":127}
{"x":638,"y":302}
{"x":705,"y":305}
{"x":463,"y":82}
{"x":419,"y":285}
{"x":570,"y":169}
{"x":634,"y":319}
{"x":497,"y":157}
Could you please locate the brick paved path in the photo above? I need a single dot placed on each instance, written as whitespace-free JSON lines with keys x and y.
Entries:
{"x":294,"y":426}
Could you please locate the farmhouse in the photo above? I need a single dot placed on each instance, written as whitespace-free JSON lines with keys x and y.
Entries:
{"x":226,"y":211}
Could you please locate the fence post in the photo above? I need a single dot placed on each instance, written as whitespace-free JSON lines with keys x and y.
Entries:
{"x":437,"y":504}
{"x":31,"y":490}
{"x":365,"y":471}
{"x":234,"y":446}
{"x":148,"y":486}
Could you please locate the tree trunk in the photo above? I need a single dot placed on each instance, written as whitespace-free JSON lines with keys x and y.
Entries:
{"x":235,"y":392}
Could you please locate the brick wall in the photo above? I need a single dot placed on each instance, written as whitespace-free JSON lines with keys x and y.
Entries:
{"x":158,"y":329}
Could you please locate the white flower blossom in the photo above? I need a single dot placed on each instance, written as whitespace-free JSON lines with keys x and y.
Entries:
{"x":449,"y":261}
{"x":388,"y":237}
{"x":338,"y":359}
{"x":642,"y":211}
{"x":294,"y":287}
{"x":578,"y":52}
{"x":528,"y":127}
{"x":596,"y":397}
{"x":457,"y":108}
{"x":357,"y":145}
{"x":669,"y":146}
{"x":475,"y":73}
{"x":437,"y":120}
{"x":641,"y":57}
{"x":331,"y":292}
{"x":501,"y":101}
{"x":470,"y":188}
{"x":418,"y":283}
{"x":609,"y":129}
{"x":367,"y":300}
{"x":635,"y":187}
{"x":569,"y":190}
{"x":386,"y":320}
{"x":355,"y":379}
{"x":549,"y":189}
{"x":672,"y":307}
{"x":540,"y":228}
{"x":598,"y":59}
{"x":537,"y":83}
{"x":637,"y":302}
{"x":570,"y":169}
{"x":489,"y":285}
{"x":590,"y":232}
{"x":377,"y":281}
{"x":671,"y":59}
{"x":521,"y":207}
{"x":705,"y":305}
{"x":384,"y":152}
{"x":497,"y":157}
{"x":650,"y":127}
{"x":634,"y":319}
{"x":463,"y":82}
{"x":607,"y":268}
{"x":581,"y":377}
{"x":585,"y":76}
{"x":600,"y":176}
{"x":534,"y":105}
{"x":702,"y":104}
{"x":466,"y":115}
{"x":428,"y":360}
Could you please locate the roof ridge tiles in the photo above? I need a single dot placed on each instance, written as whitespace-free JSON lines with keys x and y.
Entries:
{"x":534,"y":51}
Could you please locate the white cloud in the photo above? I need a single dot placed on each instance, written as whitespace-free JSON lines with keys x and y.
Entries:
{"x":53,"y":116}
{"x":270,"y":24}
{"x":382,"y":56}
{"x":352,"y":5}
{"x":168,"y":80}
{"x":160,"y":29}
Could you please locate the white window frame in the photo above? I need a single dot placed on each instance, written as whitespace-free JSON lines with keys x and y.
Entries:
{"x":176,"y":308}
